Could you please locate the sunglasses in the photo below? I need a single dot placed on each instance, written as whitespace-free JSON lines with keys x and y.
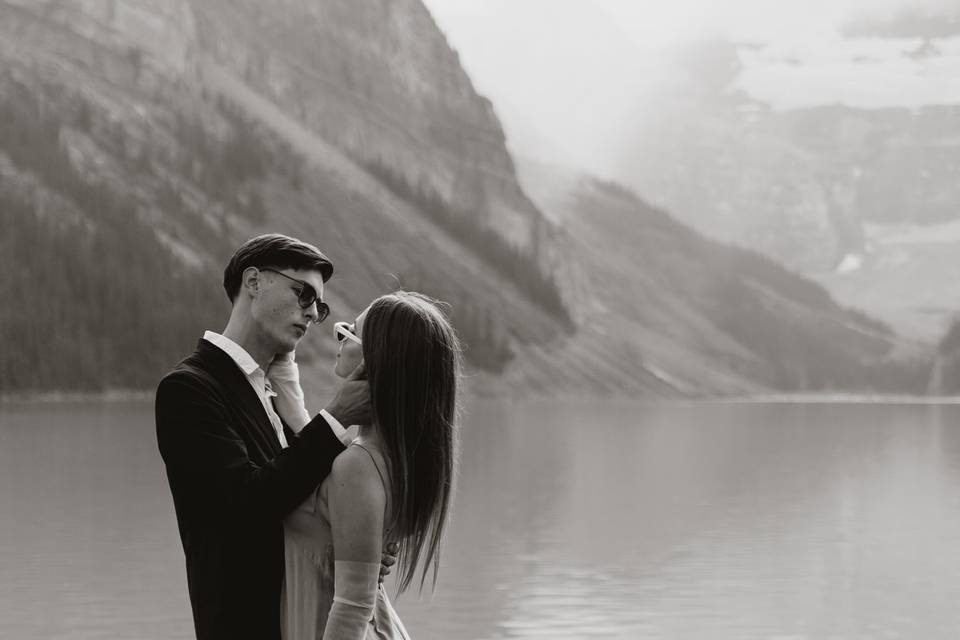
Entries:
{"x":344,"y":331}
{"x":306,"y":295}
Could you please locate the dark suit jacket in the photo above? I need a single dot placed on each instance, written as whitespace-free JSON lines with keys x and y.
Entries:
{"x":232,"y":484}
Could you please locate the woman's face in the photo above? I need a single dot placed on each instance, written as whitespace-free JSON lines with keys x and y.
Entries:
{"x":350,"y":354}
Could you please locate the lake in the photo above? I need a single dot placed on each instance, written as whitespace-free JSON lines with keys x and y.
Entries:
{"x":572,"y":520}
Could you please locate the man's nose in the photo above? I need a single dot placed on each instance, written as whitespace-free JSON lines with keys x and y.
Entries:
{"x":312,"y":312}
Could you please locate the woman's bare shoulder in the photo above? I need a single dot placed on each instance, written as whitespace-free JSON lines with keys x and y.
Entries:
{"x":355,"y":469}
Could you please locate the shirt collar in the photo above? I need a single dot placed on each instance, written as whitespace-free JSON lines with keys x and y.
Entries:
{"x":243,"y":359}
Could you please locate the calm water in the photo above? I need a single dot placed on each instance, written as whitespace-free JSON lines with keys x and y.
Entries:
{"x":582,"y":521}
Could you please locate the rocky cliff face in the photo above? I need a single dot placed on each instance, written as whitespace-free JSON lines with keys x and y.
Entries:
{"x":862,"y":199}
{"x":379,"y":80}
{"x":801,"y":185}
{"x":163,"y":31}
{"x":126,"y":180}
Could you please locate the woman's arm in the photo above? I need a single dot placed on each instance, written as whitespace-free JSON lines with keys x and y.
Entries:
{"x":284,"y":377}
{"x":356,"y":500}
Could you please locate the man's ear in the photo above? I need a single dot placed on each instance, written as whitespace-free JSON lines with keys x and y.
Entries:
{"x":250,"y":281}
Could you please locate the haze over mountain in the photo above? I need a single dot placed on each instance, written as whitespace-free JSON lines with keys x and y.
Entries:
{"x":142,"y":140}
{"x":822,"y":134}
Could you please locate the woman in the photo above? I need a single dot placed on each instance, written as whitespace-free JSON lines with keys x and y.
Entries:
{"x":393,"y":483}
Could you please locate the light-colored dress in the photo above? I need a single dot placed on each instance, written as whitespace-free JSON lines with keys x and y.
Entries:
{"x":308,"y":591}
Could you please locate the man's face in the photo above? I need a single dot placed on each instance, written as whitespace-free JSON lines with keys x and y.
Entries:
{"x":276,"y":309}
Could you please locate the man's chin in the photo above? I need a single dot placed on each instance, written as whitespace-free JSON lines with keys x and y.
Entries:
{"x":290,"y":344}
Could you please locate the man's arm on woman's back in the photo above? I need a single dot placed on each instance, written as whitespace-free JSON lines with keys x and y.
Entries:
{"x":207,"y":459}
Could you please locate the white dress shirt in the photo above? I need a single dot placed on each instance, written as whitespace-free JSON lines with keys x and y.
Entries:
{"x":286,"y":378}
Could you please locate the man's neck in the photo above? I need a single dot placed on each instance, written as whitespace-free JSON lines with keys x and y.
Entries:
{"x":244,"y":335}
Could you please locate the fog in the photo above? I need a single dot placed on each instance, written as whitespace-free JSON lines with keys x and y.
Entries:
{"x":576,"y":81}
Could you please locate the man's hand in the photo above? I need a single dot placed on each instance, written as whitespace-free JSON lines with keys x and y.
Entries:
{"x":389,"y":558}
{"x":351,"y":405}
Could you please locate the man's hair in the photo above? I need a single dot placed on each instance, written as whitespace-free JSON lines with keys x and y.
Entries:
{"x":277,"y":251}
{"x":412,"y":358}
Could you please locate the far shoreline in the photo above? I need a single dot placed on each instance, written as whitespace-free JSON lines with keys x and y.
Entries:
{"x":838,"y":398}
{"x":143,"y":395}
{"x":63,"y":397}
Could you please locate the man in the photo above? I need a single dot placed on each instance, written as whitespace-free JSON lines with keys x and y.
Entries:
{"x":234,"y":468}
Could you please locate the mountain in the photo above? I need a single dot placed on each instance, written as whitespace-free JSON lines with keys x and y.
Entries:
{"x":860,"y":197}
{"x":701,"y":317}
{"x":829,"y":148}
{"x":380,"y":81}
{"x":141,"y":141}
{"x":131,"y":166}
{"x":801,"y":185}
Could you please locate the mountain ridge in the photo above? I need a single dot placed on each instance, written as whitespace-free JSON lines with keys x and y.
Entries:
{"x":436,"y":130}
{"x":183,"y":163}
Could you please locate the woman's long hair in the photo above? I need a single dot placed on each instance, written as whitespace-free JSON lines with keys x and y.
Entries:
{"x":412,"y":359}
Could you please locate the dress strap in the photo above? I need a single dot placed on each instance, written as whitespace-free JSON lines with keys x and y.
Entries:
{"x":383,"y":478}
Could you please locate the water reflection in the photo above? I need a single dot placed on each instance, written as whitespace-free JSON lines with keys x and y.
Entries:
{"x":86,"y":543}
{"x":724,"y":521}
{"x":572,"y":521}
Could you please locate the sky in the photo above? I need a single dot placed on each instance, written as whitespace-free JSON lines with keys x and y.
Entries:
{"x":659,"y":23}
{"x":568,"y":78}
{"x":761,"y":20}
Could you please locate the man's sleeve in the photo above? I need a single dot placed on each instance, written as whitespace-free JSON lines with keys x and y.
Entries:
{"x":208,"y":463}
{"x":284,"y":377}
{"x":341,"y":434}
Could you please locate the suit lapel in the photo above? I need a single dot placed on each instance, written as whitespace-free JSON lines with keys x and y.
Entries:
{"x":241,"y":392}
